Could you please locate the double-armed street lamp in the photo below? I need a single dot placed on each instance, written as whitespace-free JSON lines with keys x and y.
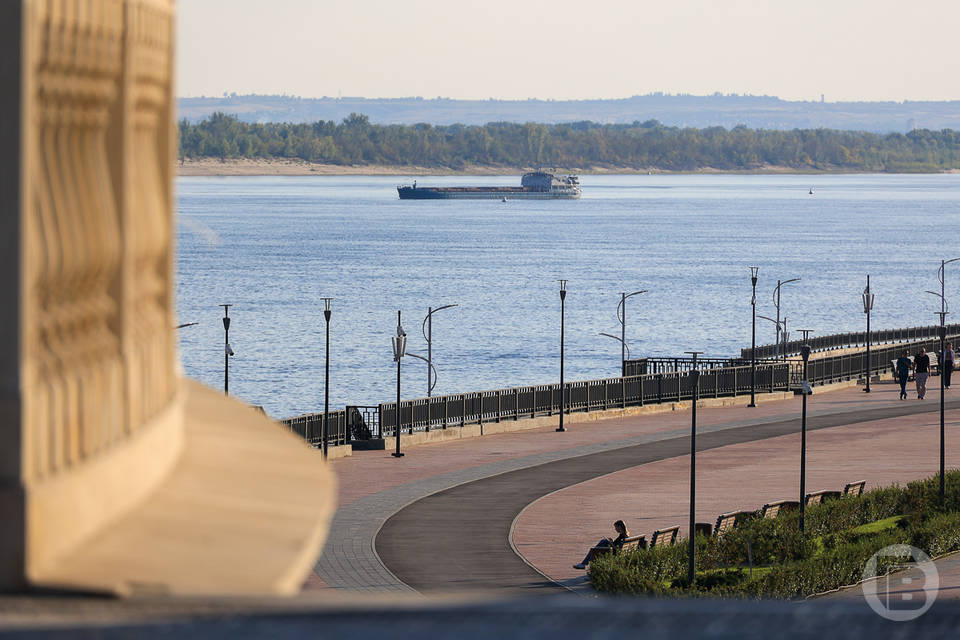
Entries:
{"x":867,"y":298}
{"x":227,"y":349}
{"x":427,"y":329}
{"x":694,"y":386}
{"x":399,"y":350}
{"x":622,"y":317}
{"x":776,"y":303}
{"x":942,"y":360}
{"x":563,"y":297}
{"x":805,"y":391}
{"x":753,"y":339}
{"x":942,"y":274}
{"x":326,"y":376}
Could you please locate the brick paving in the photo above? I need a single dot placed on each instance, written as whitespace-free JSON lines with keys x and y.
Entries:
{"x":374,"y":485}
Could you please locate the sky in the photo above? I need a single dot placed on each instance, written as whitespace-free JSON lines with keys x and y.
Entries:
{"x":519,"y":49}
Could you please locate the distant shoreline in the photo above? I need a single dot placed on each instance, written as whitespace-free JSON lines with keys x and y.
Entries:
{"x":273,"y":167}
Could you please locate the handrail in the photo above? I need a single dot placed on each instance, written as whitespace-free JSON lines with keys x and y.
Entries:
{"x":853,"y":339}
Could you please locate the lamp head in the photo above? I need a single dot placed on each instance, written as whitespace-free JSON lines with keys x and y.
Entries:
{"x":563,"y":289}
{"x":867,"y":298}
{"x":805,"y":353}
{"x":753,"y":275}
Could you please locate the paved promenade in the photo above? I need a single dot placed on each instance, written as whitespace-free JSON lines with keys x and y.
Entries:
{"x":440,"y":518}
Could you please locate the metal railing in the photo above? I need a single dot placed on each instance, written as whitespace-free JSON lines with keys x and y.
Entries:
{"x":457,"y":410}
{"x":851,"y":366}
{"x":309,"y":426}
{"x":644,"y":366}
{"x":855,"y":339}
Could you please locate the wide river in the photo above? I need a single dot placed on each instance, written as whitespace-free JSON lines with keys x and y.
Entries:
{"x":273,"y":246}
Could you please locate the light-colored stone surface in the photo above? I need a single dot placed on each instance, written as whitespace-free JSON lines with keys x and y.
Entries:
{"x":243,"y":512}
{"x":115,"y":475}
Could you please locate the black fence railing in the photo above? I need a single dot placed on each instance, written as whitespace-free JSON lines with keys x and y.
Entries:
{"x":850,"y":366}
{"x":457,"y":410}
{"x":855,"y":339}
{"x":644,"y":366}
{"x":309,"y":426}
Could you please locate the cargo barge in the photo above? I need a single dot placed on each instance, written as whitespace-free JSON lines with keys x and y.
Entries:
{"x":536,"y":185}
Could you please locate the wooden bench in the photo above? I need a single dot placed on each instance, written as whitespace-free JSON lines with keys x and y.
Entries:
{"x":854,"y":488}
{"x":819,"y":497}
{"x":665,"y":537}
{"x":629,"y":544}
{"x":728,"y":521}
{"x":773,"y":509}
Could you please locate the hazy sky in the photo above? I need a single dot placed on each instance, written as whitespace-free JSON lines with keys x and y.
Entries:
{"x":516,"y":49}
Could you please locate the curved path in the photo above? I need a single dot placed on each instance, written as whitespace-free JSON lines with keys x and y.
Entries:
{"x":459,"y":538}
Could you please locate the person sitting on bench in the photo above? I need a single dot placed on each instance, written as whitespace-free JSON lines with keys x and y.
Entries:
{"x":616,"y":543}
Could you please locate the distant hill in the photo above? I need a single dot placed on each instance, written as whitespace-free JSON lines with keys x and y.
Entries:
{"x":756,"y":112}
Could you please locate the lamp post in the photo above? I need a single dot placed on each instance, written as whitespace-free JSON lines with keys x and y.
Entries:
{"x":326,"y":376}
{"x":943,"y":333}
{"x":622,"y":317}
{"x":622,"y":346}
{"x":427,"y":329}
{"x":943,"y":337}
{"x":399,"y":349}
{"x":694,"y":382}
{"x":867,"y":298}
{"x":753,"y":339}
{"x":776,"y":303}
{"x":805,"y":391}
{"x":563,"y":297}
{"x":227,"y":350}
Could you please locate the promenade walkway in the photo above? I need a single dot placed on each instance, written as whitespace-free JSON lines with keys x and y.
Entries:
{"x":446,"y":517}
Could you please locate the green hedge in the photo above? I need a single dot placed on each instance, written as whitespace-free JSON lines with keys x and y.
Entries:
{"x":788,"y":563}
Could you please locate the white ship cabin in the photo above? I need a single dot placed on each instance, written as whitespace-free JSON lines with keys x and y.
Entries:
{"x":543,"y":181}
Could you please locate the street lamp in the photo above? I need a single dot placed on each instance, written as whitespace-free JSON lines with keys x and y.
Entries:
{"x":326,"y":376}
{"x":427,"y":329}
{"x":940,"y":360}
{"x":753,"y":339}
{"x":945,"y":308}
{"x":563,"y":296}
{"x":227,"y":350}
{"x":776,"y":303}
{"x":694,"y":383}
{"x":399,"y":349}
{"x":867,"y":297}
{"x":622,"y":346}
{"x":943,"y":334}
{"x":622,"y":317}
{"x":805,"y":391}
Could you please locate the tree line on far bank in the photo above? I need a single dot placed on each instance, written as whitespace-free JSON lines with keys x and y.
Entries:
{"x":579,"y":145}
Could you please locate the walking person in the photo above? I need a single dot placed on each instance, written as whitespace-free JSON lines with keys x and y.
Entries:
{"x":903,"y":373}
{"x":948,"y":358}
{"x":921,"y":370}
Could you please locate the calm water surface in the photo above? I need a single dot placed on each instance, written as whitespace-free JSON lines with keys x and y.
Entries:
{"x":272,"y":246}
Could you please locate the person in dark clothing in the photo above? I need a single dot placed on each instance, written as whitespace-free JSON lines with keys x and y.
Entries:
{"x":616,"y":543}
{"x":947,"y":358}
{"x":921,"y":370}
{"x":903,"y":373}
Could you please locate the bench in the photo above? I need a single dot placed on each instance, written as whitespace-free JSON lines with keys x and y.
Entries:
{"x":773,"y":509}
{"x":665,"y":537}
{"x":629,"y":544}
{"x":854,"y":488}
{"x":934,"y":366}
{"x":819,"y":497}
{"x":727,"y":521}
